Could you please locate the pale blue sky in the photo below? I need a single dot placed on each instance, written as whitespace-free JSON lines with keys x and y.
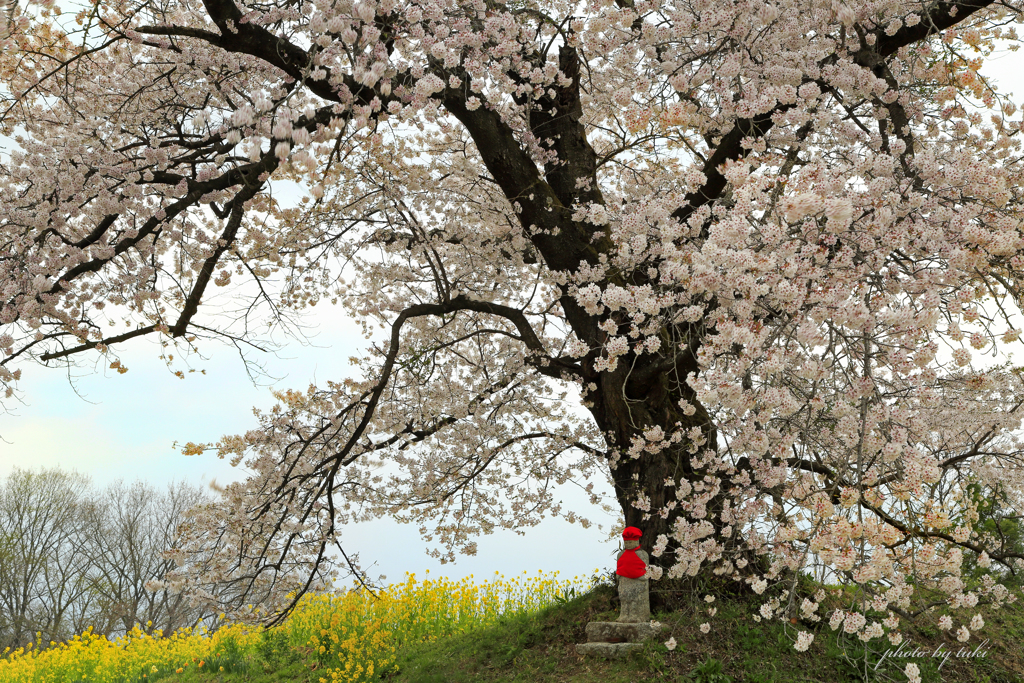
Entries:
{"x":122,"y":426}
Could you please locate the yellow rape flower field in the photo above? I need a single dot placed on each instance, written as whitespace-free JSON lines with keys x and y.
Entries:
{"x":347,"y":637}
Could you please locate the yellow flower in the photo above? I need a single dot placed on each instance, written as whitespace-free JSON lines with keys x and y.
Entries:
{"x":365,"y":633}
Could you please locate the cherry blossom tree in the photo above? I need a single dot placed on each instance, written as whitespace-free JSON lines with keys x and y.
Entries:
{"x":761,"y":244}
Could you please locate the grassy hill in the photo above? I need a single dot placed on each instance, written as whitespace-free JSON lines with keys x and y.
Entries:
{"x":539,"y":648}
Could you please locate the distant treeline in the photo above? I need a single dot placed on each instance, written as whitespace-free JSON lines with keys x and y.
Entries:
{"x":73,"y":557}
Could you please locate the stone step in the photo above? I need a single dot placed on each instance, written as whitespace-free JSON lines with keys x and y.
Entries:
{"x":616,"y":632}
{"x":607,"y":650}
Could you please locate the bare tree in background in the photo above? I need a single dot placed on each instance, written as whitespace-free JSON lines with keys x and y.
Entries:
{"x":42,"y":587}
{"x":72,"y":557}
{"x":131,"y":526}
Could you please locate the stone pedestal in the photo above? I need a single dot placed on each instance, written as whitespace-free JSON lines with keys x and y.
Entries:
{"x":614,"y":639}
{"x":607,"y":650}
{"x":617,"y":632}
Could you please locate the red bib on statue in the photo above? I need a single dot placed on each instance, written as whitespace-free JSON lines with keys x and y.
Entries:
{"x":630,"y":565}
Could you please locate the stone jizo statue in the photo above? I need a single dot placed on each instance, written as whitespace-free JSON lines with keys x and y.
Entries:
{"x":617,"y":638}
{"x":631,"y":569}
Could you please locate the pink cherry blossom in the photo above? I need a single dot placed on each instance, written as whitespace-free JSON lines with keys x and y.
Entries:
{"x":769,"y":247}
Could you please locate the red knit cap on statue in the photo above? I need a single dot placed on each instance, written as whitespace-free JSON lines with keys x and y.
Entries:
{"x":630,"y":565}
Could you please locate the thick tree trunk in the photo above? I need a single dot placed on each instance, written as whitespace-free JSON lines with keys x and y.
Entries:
{"x":644,"y":391}
{"x":624,"y":410}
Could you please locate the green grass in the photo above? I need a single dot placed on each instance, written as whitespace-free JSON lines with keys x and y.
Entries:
{"x":539,"y":648}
